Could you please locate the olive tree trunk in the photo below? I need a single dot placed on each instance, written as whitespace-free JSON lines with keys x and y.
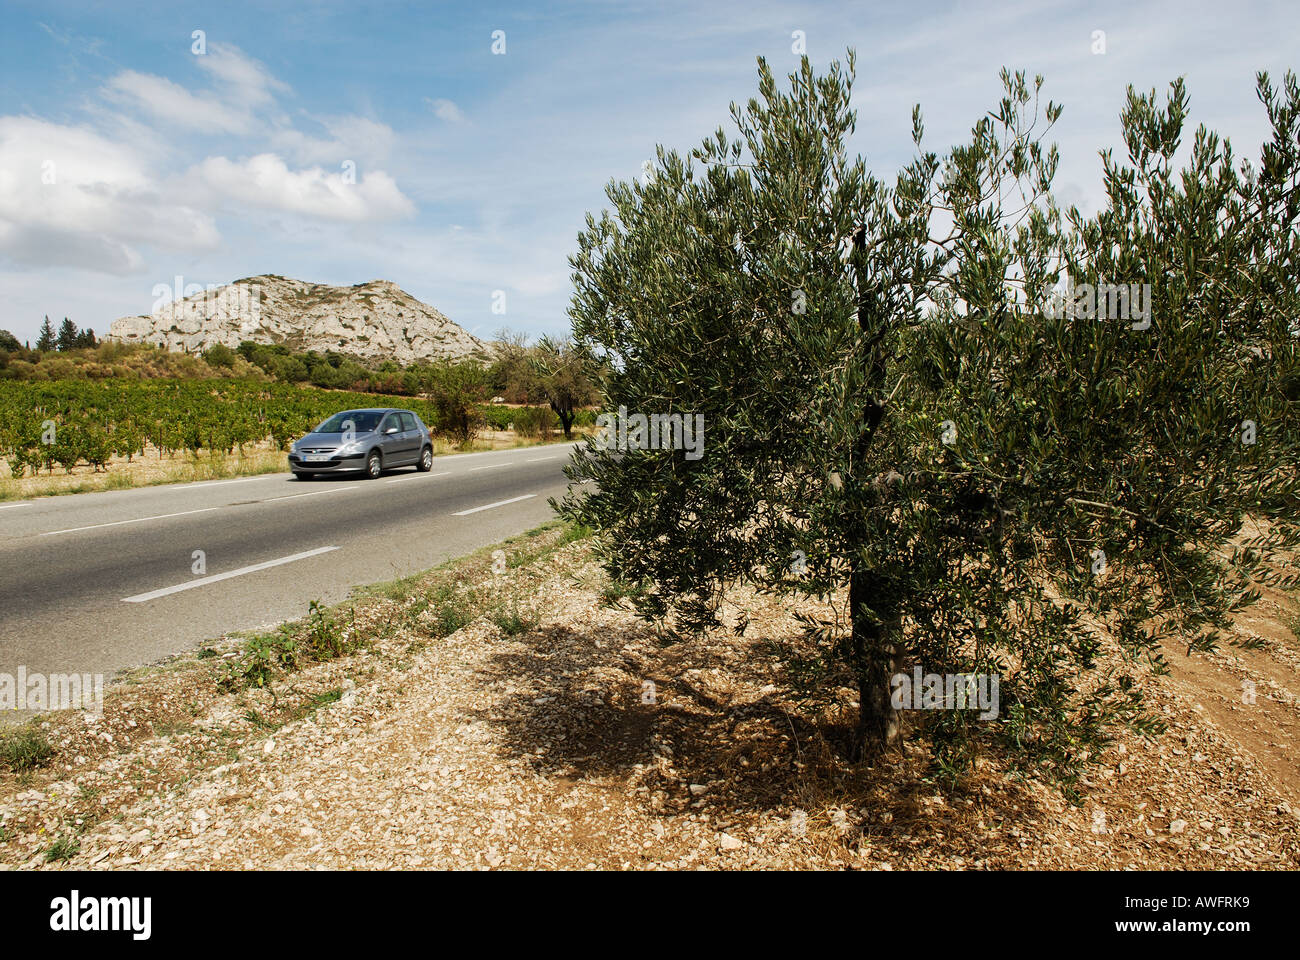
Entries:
{"x":877,"y":655}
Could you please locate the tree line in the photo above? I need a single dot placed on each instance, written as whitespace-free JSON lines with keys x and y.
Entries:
{"x":67,"y":338}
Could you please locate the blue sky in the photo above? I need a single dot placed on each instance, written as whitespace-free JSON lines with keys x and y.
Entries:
{"x":473,"y":170}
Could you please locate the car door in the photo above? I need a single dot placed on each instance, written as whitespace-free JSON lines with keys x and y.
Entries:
{"x":412,"y":439}
{"x":391,"y":443}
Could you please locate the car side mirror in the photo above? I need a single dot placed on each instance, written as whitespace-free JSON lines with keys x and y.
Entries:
{"x":391,"y":430}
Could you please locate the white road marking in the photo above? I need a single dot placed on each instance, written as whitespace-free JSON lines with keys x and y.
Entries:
{"x":489,"y":506}
{"x":118,"y":523}
{"x":10,"y":506}
{"x":482,"y":453}
{"x":209,"y":483}
{"x":204,"y":581}
{"x":491,"y":466}
{"x":417,"y":475}
{"x":314,"y":493}
{"x":540,"y":459}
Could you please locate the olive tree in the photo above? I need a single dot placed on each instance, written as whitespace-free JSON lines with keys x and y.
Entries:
{"x":565,"y":376}
{"x":913,"y":406}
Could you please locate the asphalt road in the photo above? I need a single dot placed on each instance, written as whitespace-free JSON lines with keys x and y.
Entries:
{"x":102,"y":582}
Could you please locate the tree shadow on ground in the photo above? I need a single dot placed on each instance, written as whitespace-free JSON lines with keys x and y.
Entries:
{"x":612,"y":705}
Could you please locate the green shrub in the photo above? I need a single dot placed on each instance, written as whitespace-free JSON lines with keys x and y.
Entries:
{"x":220,"y":355}
{"x":25,"y":749}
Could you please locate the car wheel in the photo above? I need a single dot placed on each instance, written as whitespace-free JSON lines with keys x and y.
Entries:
{"x":426,"y":460}
{"x":302,"y":476}
{"x":374,"y":465}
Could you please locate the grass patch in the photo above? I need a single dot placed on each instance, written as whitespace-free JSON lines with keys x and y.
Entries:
{"x":25,"y":749}
{"x":64,"y":848}
{"x":265,"y":656}
{"x":512,"y":619}
{"x":616,"y":591}
{"x":256,"y":719}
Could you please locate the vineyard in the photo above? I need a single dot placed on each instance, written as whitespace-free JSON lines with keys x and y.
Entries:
{"x":64,"y":423}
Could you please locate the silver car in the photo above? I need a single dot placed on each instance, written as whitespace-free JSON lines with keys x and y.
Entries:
{"x":370,"y":441}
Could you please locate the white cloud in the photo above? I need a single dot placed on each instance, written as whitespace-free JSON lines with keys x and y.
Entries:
{"x":172,"y":104}
{"x":445,"y":110}
{"x":241,"y":87}
{"x":351,"y":137}
{"x":240,"y":77}
{"x":71,"y":197}
{"x":266,"y":181}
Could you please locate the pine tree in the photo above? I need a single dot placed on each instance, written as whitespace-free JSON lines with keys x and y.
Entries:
{"x":67,"y":335}
{"x":46,"y":340}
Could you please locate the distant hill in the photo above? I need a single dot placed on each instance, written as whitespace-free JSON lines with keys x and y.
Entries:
{"x":372,"y":321}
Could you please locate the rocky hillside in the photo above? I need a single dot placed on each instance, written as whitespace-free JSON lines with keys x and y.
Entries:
{"x":371,"y":321}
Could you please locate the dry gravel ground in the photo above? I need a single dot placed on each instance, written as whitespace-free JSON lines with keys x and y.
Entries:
{"x":483,"y":750}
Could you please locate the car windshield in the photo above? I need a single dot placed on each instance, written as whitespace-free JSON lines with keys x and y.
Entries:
{"x":362,"y":421}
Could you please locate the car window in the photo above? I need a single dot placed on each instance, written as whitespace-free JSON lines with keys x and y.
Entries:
{"x":363,"y":421}
{"x":389,"y":422}
{"x":408,"y":421}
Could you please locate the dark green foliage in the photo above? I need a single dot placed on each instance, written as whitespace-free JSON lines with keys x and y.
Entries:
{"x":46,"y":339}
{"x":535,"y":422}
{"x":68,"y":338}
{"x":456,"y":390}
{"x":895,"y":418}
{"x":219,"y":355}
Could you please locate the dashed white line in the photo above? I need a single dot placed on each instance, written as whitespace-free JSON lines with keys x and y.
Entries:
{"x":416,"y":476}
{"x":207,"y":483}
{"x":204,"y":581}
{"x":540,"y":459}
{"x":314,"y":493}
{"x":490,"y":466}
{"x":10,"y":506}
{"x":118,"y":523}
{"x":489,"y":506}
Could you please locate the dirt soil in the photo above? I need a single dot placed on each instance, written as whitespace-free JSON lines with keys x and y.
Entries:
{"x":550,"y":749}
